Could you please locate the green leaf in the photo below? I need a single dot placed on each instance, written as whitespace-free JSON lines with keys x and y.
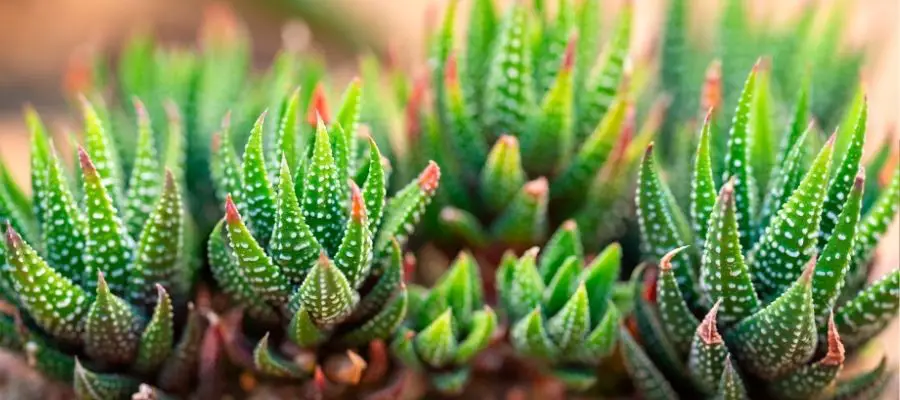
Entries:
{"x":303,"y":330}
{"x":462,"y":130}
{"x":813,"y":379}
{"x":502,"y":176}
{"x":263,"y":277}
{"x":777,"y":259}
{"x":107,"y":245}
{"x":404,"y":210}
{"x":374,"y":188}
{"x":525,"y":286}
{"x":382,"y":325}
{"x":226,"y":170}
{"x":465,"y":226}
{"x":56,"y":304}
{"x":763,"y":142}
{"x":348,"y":118}
{"x":737,"y":162}
{"x":561,"y":287}
{"x":228,"y":275}
{"x":63,"y":224}
{"x":157,"y":339}
{"x":41,"y":163}
{"x":387,"y":275}
{"x":731,"y":386}
{"x":354,"y":256}
{"x":439,"y":52}
{"x":723,"y":274}
{"x":659,"y":232}
{"x":872,"y":227}
{"x":145,"y":185}
{"x":708,"y":354}
{"x":605,"y":78}
{"x":462,"y":286}
{"x":287,"y":135}
{"x":867,"y":314}
{"x":565,"y":243}
{"x":550,"y":139}
{"x":293,"y":246}
{"x":587,"y":15}
{"x":601,"y":342}
{"x":509,"y":99}
{"x":99,"y":142}
{"x":675,"y":314}
{"x":111,"y":327}
{"x":158,"y":257}
{"x":525,"y":220}
{"x":484,"y":322}
{"x":272,"y":365}
{"x":867,"y":385}
{"x":49,"y":361}
{"x":480,"y":35}
{"x":180,"y":368}
{"x":575,"y":179}
{"x":529,"y":337}
{"x":436,"y":344}
{"x":781,"y":336}
{"x":703,"y":187}
{"x":552,"y":46}
{"x":843,"y":180}
{"x":834,"y":260}
{"x":650,"y":383}
{"x":785,"y":181}
{"x":326,"y":294}
{"x":403,"y":348}
{"x":572,"y":323}
{"x":94,"y":386}
{"x":258,"y":193}
{"x":322,"y":193}
{"x":600,"y":276}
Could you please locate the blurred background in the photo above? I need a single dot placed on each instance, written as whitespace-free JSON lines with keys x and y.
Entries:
{"x":38,"y":41}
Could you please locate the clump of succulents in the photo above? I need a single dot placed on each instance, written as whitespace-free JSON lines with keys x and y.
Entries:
{"x":523,"y":121}
{"x":98,"y":277}
{"x":559,"y":310}
{"x":313,"y":260}
{"x":781,"y":276}
{"x":448,"y":325}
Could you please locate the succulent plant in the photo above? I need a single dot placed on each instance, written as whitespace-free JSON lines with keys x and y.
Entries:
{"x":560,"y":311}
{"x":447,"y":326}
{"x":781,"y":276}
{"x":99,"y":278}
{"x":312,"y":259}
{"x":523,"y":122}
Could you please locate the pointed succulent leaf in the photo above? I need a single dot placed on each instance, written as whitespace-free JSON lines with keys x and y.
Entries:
{"x":525,"y":219}
{"x":404,"y":349}
{"x":179,"y":369}
{"x":508,"y":90}
{"x":108,"y":244}
{"x":606,"y":76}
{"x":560,"y":289}
{"x":480,"y":36}
{"x":873,"y":227}
{"x":40,"y":162}
{"x":572,"y":323}
{"x":341,"y":151}
{"x":798,"y":123}
{"x":467,"y":140}
{"x":264,"y":278}
{"x":867,"y":385}
{"x":403,"y":211}
{"x":99,"y":143}
{"x":843,"y":180}
{"x":550,"y":139}
{"x":587,"y":15}
{"x":63,"y":224}
{"x":834,"y":260}
{"x":763,"y":142}
{"x":322,"y":193}
{"x":675,"y":314}
{"x":348,"y":115}
{"x":601,"y":342}
{"x":552,"y":46}
{"x":354,"y":256}
{"x":111,"y":327}
{"x":326,"y":293}
{"x":288,"y":134}
{"x":778,"y":258}
{"x":465,"y":226}
{"x":389,"y":274}
{"x":703,"y":187}
{"x":462,"y":287}
{"x":737,"y":162}
{"x":228,"y":275}
{"x":653,"y":336}
{"x":600,"y":277}
{"x":530,"y":338}
{"x":785,"y":181}
{"x":565,"y":243}
{"x":303,"y":330}
{"x":56,"y":304}
{"x":258,"y":194}
{"x":158,"y":336}
{"x":723,"y":274}
{"x":781,"y":336}
{"x":502,"y":176}
{"x":867,"y":314}
{"x":525,"y":286}
{"x":659,"y":231}
{"x":48,"y":360}
{"x":293,"y":246}
{"x":731,"y":386}
{"x":226,"y":170}
{"x":145,"y":184}
{"x":484,"y":322}
{"x":708,"y":353}
{"x":811,"y":380}
{"x":90,"y":385}
{"x":436,"y":344}
{"x":374,"y":186}
{"x":159,"y":251}
{"x":272,"y":365}
{"x":576,"y":178}
{"x":382,"y":325}
{"x":650,"y":383}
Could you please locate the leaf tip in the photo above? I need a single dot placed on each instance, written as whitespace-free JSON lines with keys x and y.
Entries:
{"x":707,"y":330}
{"x":87,"y":166}
{"x":357,"y":204}
{"x":232,"y":216}
{"x":318,"y":107}
{"x":428,"y":179}
{"x":835,"y":355}
{"x":665,"y":263}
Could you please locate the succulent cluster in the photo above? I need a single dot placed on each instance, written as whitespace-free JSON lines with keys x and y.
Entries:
{"x":310,"y":256}
{"x":99,"y":276}
{"x":781,"y":277}
{"x":559,"y":310}
{"x":523,"y":122}
{"x":447,"y":326}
